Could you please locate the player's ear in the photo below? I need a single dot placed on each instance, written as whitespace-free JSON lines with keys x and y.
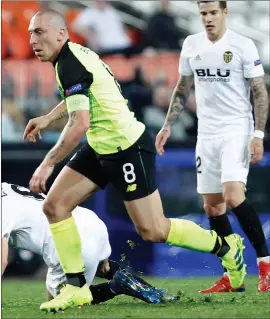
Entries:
{"x":225,"y":11}
{"x":61,"y":35}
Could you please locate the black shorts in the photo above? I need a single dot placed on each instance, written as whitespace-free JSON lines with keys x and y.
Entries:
{"x":131,"y":171}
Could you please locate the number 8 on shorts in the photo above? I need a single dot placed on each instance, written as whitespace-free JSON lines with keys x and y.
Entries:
{"x":129,"y":174}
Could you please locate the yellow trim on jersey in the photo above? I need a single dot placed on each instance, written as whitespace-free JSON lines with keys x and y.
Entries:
{"x":77,"y":102}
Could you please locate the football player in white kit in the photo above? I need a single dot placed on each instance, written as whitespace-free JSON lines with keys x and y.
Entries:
{"x":25,"y":226}
{"x":224,"y":66}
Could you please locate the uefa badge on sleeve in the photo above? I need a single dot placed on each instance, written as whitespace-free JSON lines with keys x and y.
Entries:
{"x":257,"y":62}
{"x":228,"y":56}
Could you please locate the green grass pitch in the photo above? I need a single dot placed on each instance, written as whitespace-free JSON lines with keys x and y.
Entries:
{"x":21,"y":299}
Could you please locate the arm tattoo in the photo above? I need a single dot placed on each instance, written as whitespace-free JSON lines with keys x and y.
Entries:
{"x":178,"y":100}
{"x":260,"y":97}
{"x":72,"y":119}
{"x":53,"y":152}
{"x":62,"y":115}
{"x":61,"y":142}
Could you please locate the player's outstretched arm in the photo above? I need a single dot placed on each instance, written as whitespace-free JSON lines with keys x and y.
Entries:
{"x":37,"y":124}
{"x":177,"y":104}
{"x":4,"y":254}
{"x":261,"y":109}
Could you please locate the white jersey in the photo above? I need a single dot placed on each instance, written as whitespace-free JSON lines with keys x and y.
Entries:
{"x":222,"y":90}
{"x":26,"y":227}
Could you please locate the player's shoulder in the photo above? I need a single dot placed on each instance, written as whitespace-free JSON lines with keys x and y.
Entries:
{"x":73,"y":55}
{"x":193,"y":38}
{"x":77,"y":48}
{"x":80,"y":59}
{"x":74,"y":63}
{"x":239,"y":39}
{"x":82,"y":53}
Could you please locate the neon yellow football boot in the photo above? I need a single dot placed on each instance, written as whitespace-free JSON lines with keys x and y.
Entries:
{"x":234,"y":262}
{"x":70,"y":296}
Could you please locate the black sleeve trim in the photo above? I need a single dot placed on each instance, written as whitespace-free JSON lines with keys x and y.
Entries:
{"x":74,"y":77}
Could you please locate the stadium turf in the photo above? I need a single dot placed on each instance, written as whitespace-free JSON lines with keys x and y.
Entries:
{"x":21,"y":299}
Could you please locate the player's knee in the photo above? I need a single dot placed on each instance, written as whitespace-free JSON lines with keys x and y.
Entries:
{"x":212,"y":211}
{"x":152,"y":234}
{"x":56,"y":209}
{"x":49,"y":208}
{"x":232,"y":200}
{"x":234,"y":194}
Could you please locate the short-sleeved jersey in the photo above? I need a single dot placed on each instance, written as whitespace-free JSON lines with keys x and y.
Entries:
{"x":26,"y":227}
{"x":87,"y":83}
{"x":221,"y":72}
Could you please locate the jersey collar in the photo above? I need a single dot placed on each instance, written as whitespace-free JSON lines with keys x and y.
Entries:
{"x":220,"y":40}
{"x":62,"y":52}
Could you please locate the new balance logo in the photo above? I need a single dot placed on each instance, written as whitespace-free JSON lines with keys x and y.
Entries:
{"x":131,"y":188}
{"x":198,"y":57}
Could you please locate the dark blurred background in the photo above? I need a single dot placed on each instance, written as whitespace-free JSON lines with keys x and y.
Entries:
{"x":141,"y":41}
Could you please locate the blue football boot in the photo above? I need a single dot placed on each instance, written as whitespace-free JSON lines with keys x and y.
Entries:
{"x":127,"y":283}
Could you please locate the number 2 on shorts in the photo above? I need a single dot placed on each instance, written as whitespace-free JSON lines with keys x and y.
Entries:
{"x":129,"y":174}
{"x":199,"y":163}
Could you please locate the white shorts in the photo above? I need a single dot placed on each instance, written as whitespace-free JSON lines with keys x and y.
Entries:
{"x":95,"y":248}
{"x":220,"y":160}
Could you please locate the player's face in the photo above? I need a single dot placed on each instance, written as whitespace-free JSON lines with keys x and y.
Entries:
{"x":213,"y":17}
{"x":45,"y":38}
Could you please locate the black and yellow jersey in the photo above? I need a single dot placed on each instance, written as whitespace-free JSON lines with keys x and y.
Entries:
{"x":87,"y":83}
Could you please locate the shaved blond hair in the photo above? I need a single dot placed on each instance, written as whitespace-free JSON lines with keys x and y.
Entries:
{"x":56,"y":19}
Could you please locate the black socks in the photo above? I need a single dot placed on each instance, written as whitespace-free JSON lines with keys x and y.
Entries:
{"x":101,"y":293}
{"x":221,"y":225}
{"x":77,"y":279}
{"x":114,"y":267}
{"x":251,"y":225}
{"x":221,"y":247}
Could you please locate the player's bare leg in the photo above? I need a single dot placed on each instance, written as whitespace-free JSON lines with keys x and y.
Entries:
{"x":69,"y":190}
{"x":233,"y":193}
{"x":150,"y":222}
{"x":148,"y":217}
{"x":214,"y":204}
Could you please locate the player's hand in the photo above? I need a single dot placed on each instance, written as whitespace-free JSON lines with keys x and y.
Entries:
{"x":34,"y":127}
{"x":161,"y":139}
{"x":38,"y":181}
{"x":256,"y":150}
